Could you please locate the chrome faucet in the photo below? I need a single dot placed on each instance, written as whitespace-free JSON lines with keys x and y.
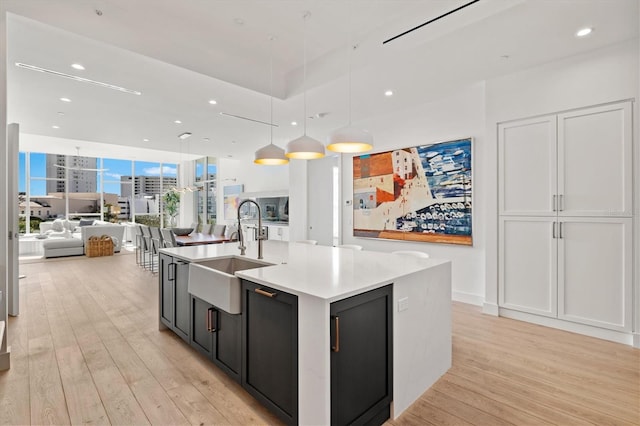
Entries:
{"x":259,"y":236}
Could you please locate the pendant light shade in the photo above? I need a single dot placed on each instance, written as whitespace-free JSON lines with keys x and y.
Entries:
{"x":271,"y":155}
{"x":350,"y":139}
{"x":305,"y":147}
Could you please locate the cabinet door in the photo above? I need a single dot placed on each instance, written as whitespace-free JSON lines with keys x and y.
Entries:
{"x":595,"y":272}
{"x":167,"y":278}
{"x":182,"y":299}
{"x":270,"y":349}
{"x":527,"y":167}
{"x":528,"y":264}
{"x":361,"y":358}
{"x":201,"y":323}
{"x":595,"y":161}
{"x":227,"y":341}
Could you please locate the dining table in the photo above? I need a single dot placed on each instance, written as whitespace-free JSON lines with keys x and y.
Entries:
{"x":198,"y":238}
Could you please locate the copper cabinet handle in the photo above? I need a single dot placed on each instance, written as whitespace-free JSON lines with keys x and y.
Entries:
{"x":212,"y":315}
{"x":336,"y":347}
{"x":553,"y":232}
{"x":265,"y":293}
{"x":554,"y":202}
{"x":208,"y":319}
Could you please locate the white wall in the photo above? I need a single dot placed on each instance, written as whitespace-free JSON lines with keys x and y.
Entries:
{"x":458,"y":116}
{"x":606,"y":75}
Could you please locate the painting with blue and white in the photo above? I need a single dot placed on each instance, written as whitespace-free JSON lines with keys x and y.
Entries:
{"x":422,"y":193}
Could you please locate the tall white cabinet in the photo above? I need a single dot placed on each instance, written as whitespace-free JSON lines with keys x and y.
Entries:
{"x":565,"y":225}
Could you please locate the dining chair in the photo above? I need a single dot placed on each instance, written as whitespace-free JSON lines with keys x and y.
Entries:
{"x":206,"y":228}
{"x":350,"y":246}
{"x":311,"y":242}
{"x":168,"y":238}
{"x":414,"y":253}
{"x":218,"y":230}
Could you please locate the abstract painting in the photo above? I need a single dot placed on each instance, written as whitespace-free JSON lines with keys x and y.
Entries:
{"x":422,"y":193}
{"x":231,"y":196}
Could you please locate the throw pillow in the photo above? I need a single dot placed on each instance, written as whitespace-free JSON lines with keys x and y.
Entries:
{"x":69,"y":226}
{"x":86,"y":222}
{"x":58,"y":225}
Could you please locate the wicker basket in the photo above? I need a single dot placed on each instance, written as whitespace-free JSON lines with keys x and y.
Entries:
{"x":99,"y":246}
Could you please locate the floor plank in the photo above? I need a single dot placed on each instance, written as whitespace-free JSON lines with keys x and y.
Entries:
{"x":86,"y":349}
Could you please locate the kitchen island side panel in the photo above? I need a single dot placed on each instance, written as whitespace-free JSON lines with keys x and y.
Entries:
{"x":421,"y":333}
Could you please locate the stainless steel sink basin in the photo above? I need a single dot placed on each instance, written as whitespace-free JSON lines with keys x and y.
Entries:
{"x":214,"y":281}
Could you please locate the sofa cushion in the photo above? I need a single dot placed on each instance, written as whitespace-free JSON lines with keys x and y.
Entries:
{"x":86,"y":222}
{"x":57,"y":225}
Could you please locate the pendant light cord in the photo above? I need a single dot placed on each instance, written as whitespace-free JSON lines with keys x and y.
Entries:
{"x":271,"y":38}
{"x":304,"y":72}
{"x":350,"y":47}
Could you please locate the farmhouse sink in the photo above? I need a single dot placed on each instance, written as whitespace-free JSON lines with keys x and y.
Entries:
{"x":214,"y":281}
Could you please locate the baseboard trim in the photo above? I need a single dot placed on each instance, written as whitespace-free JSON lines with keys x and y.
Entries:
{"x":636,"y":340}
{"x":490,"y":309}
{"x":587,"y":330}
{"x":472,"y":299}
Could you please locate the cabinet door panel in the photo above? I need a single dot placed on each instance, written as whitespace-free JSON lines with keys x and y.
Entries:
{"x":595,"y":272}
{"x":528,"y":265}
{"x":182,"y":299}
{"x":227,"y":342}
{"x":166,"y":289}
{"x":361,"y":338}
{"x":201,"y":338}
{"x":527,"y":166}
{"x":595,"y":161}
{"x":270,"y":348}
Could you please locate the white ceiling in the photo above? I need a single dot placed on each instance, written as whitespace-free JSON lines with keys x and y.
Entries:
{"x":181,"y":53}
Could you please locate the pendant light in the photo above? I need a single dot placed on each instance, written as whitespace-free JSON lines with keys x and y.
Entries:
{"x":350,"y":139}
{"x":305,"y":147}
{"x":271,"y":155}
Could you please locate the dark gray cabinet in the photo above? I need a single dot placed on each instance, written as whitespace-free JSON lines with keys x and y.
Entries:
{"x":270,"y":348}
{"x":362,"y":358}
{"x":217,"y":335}
{"x":174,"y":295}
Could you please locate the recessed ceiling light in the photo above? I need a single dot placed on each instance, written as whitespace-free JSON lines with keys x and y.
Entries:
{"x":55,"y":127}
{"x":584,"y":32}
{"x":206,"y":139}
{"x":178,"y":122}
{"x":213,"y":102}
{"x":65,"y":99}
{"x":145,"y":140}
{"x":229,"y":156}
{"x":388,"y":93}
{"x":77,"y":67}
{"x":239,"y":21}
{"x":60,"y":113}
{"x":294,"y":123}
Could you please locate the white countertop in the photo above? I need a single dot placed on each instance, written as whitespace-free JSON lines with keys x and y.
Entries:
{"x":329,"y":273}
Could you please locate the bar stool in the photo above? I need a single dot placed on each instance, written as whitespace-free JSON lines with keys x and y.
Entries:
{"x":156,"y":244}
{"x":414,"y":253}
{"x":350,"y":246}
{"x":311,"y":242}
{"x":146,"y":245}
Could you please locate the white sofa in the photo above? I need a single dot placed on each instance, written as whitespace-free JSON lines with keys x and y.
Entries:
{"x":61,"y":228}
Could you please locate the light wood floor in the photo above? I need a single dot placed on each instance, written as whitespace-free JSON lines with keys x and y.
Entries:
{"x":86,"y":349}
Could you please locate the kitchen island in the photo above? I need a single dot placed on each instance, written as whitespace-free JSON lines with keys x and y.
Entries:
{"x":319,"y":279}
